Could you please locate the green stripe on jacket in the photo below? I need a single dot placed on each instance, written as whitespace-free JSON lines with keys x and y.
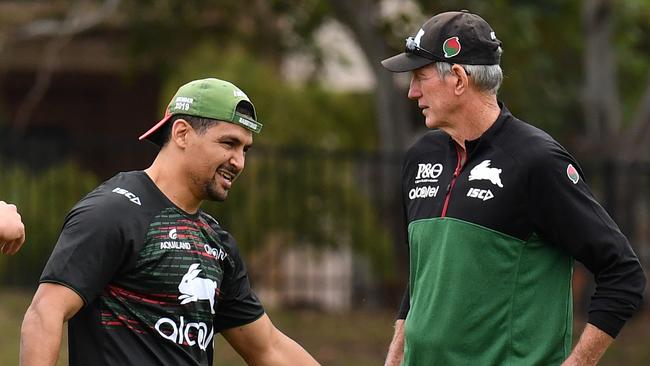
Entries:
{"x":480,"y":297}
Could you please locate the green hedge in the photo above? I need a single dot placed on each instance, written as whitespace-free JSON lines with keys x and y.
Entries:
{"x":43,"y":199}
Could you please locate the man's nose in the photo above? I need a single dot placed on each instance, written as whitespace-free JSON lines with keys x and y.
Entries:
{"x":414,"y":90}
{"x":238,"y":159}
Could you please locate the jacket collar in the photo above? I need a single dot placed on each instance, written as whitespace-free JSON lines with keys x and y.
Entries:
{"x":486,"y":138}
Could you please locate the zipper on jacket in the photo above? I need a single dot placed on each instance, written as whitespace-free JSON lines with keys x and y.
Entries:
{"x":459,"y":167}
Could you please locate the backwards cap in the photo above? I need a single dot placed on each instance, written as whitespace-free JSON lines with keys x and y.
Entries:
{"x":207,"y":98}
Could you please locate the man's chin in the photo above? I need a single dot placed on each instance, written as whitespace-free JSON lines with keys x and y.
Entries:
{"x":219,"y":198}
{"x":213,"y":195}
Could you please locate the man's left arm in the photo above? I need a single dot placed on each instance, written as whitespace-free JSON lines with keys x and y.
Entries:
{"x":261,"y":343}
{"x":566,"y":214}
{"x":241,"y":319}
{"x":590,"y":347}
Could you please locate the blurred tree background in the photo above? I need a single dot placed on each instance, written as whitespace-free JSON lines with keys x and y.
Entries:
{"x":79,"y":80}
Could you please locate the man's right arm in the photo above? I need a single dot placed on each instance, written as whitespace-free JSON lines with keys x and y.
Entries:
{"x":396,"y":349}
{"x":42,"y":328}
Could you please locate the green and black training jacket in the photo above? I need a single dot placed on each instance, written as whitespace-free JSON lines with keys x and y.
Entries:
{"x":492,"y":243}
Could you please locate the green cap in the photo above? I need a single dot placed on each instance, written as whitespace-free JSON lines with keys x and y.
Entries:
{"x":207,"y":98}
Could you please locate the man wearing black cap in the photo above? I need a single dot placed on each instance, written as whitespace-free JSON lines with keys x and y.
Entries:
{"x":497,"y":211}
{"x":140,"y":273}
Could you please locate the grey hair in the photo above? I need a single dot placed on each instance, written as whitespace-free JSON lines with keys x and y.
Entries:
{"x":487,"y":78}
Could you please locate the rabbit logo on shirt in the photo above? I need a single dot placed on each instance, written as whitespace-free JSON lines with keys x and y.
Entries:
{"x":194,"y":288}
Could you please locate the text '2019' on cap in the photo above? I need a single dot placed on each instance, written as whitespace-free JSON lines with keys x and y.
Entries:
{"x":207,"y":98}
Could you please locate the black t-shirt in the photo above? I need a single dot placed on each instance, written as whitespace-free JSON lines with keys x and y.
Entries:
{"x":157,"y":283}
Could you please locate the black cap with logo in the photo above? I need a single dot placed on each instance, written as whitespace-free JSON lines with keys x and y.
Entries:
{"x":458,"y":37}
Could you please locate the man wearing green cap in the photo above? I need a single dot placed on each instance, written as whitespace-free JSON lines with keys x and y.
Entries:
{"x":141,"y":274}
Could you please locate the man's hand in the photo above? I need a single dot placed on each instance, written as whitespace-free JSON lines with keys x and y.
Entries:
{"x":12,"y":230}
{"x":261,"y":343}
{"x":590,"y":348}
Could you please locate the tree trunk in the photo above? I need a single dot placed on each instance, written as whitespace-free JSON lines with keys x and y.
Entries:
{"x":601,"y":100}
{"x":392,"y":113}
{"x":362,"y":17}
{"x":615,"y":147}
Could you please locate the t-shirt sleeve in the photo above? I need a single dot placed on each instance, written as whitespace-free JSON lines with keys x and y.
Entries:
{"x":90,"y":250}
{"x":565,"y":213}
{"x":238,"y":305}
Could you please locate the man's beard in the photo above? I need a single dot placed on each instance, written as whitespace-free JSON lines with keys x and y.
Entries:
{"x":214,"y":194}
{"x":212,"y":189}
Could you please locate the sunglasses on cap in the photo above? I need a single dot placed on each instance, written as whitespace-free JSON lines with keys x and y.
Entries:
{"x":414,"y":48}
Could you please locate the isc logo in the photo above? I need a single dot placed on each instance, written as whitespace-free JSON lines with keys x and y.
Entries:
{"x":133,"y":198}
{"x":483,"y":194}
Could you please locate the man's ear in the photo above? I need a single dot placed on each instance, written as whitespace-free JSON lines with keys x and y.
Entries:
{"x":461,"y":77}
{"x":180,"y":133}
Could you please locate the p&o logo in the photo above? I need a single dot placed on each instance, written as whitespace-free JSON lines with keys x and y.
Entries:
{"x":428,"y":173}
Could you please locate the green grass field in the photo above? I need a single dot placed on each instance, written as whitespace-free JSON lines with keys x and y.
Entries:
{"x":334,"y":339}
{"x":358,"y":338}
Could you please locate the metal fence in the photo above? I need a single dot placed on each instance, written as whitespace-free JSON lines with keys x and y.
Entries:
{"x":317,"y":228}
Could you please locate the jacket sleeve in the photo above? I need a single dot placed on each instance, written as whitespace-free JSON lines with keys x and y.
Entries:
{"x":565,"y":213}
{"x":405,"y":305}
